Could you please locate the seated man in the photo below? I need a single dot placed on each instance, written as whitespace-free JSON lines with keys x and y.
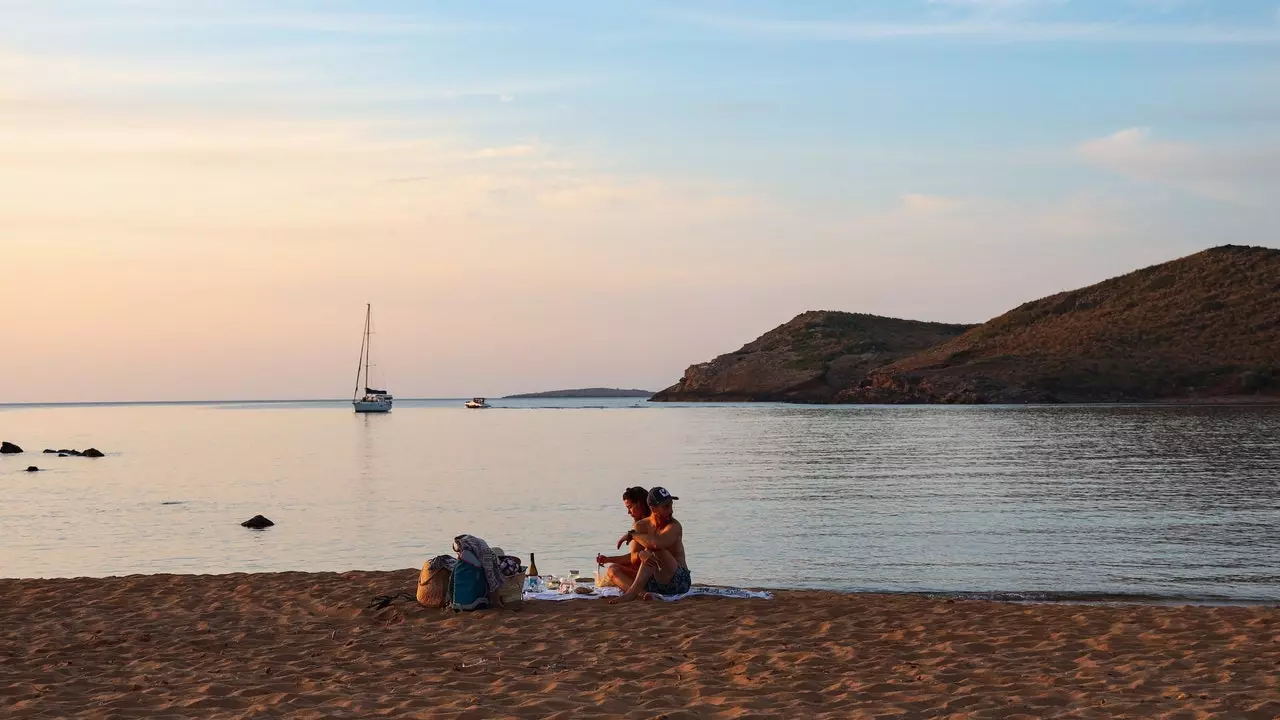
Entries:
{"x":623,"y":568}
{"x":664,"y":569}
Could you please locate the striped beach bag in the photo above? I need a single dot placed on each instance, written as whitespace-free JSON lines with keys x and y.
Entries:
{"x":435,"y":582}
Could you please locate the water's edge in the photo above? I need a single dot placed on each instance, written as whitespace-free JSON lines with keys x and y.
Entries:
{"x":999,"y":596}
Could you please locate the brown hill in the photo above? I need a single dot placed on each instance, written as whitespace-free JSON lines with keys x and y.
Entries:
{"x":1201,"y":327}
{"x":809,"y":359}
{"x":1206,"y":325}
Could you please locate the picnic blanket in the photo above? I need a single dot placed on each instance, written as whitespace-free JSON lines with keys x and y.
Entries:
{"x":696,"y":590}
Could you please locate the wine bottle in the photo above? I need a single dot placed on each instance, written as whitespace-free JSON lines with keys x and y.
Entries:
{"x":533,"y":566}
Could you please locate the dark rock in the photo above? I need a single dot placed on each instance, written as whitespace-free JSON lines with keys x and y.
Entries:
{"x":8,"y":448}
{"x":50,"y":451}
{"x":64,"y":451}
{"x":63,"y":455}
{"x":32,"y":468}
{"x":92,"y":452}
{"x":1251,"y":382}
{"x":257,"y":522}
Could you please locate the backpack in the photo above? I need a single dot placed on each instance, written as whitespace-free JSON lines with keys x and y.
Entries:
{"x":469,"y":592}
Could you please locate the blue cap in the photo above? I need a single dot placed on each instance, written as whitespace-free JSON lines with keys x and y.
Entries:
{"x":660,"y":496}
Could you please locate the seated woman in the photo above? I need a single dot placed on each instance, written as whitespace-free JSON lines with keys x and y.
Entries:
{"x":623,"y":568}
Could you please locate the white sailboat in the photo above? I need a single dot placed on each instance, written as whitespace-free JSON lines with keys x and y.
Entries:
{"x":371,"y":401}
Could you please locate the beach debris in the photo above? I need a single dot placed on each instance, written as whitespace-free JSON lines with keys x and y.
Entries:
{"x":8,"y":448}
{"x":93,"y":452}
{"x":381,"y":601}
{"x":32,"y":468}
{"x":257,"y":522}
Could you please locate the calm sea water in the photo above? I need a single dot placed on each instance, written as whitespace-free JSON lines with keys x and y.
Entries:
{"x":1179,"y":502}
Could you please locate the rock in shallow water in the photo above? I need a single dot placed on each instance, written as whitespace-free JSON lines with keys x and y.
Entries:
{"x":32,"y":468}
{"x":8,"y":448}
{"x":257,"y":522}
{"x":92,"y":452}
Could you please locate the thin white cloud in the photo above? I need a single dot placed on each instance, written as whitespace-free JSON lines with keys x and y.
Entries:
{"x":508,"y":151}
{"x":1162,"y":5}
{"x":132,"y":14}
{"x":996,"y":5}
{"x":341,"y":23}
{"x":1238,"y":175}
{"x":923,"y":203}
{"x":269,"y":81}
{"x":58,"y":72}
{"x":982,"y":29}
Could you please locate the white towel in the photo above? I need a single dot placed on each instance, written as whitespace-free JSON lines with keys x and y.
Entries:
{"x":693,"y":591}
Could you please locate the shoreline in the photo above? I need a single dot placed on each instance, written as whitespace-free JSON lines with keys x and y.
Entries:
{"x":1262,"y":400}
{"x":307,"y":645}
{"x":1051,"y":597}
{"x":1227,"y":400}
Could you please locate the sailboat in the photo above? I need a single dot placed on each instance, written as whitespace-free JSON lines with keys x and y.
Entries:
{"x":372,"y":401}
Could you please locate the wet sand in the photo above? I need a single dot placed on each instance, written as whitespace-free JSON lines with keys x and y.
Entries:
{"x":305,"y":645}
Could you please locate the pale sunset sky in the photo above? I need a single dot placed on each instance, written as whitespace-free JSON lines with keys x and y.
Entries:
{"x":198,"y":197}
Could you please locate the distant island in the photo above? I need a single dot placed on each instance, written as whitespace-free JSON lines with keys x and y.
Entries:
{"x":583,"y":393}
{"x":1204,"y":328}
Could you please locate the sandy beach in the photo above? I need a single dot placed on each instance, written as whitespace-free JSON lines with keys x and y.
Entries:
{"x":304,"y":645}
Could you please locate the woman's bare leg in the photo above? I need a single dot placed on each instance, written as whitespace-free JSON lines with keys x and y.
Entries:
{"x":637,"y":586}
{"x":621,"y":576}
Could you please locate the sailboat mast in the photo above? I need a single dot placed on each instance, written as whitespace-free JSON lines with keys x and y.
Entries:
{"x":368,"y":341}
{"x":364,"y":343}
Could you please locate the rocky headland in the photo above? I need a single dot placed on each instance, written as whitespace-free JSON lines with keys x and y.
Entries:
{"x":1205,"y":327}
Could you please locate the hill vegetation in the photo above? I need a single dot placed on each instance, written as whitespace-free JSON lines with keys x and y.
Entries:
{"x":812,"y":358}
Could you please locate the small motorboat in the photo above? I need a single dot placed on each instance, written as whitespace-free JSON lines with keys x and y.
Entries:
{"x":477,"y":404}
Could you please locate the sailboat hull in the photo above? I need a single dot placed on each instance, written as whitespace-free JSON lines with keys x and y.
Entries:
{"x":372,"y":406}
